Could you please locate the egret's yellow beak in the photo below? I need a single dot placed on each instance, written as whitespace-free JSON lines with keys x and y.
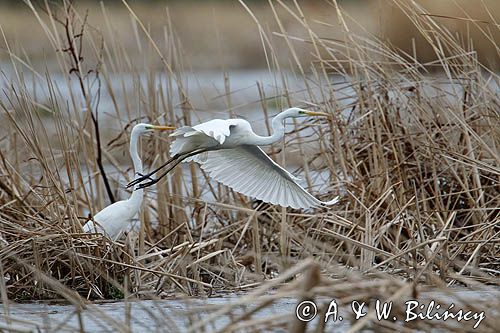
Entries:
{"x":314,"y":113}
{"x":163,"y":128}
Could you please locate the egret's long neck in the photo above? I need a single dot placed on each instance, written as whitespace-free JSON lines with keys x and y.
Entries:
{"x":278,"y":125}
{"x":137,"y":194}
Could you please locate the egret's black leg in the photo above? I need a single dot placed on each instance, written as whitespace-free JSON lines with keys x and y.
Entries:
{"x":173,"y":158}
{"x":154,"y":181}
{"x":148,"y":175}
{"x":179,"y":160}
{"x":143,"y":175}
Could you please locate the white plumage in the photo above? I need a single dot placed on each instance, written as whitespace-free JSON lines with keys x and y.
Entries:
{"x":228,"y":150}
{"x":250,"y":171}
{"x":115,"y":218}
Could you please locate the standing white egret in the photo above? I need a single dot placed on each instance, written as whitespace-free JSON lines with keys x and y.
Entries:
{"x":115,"y":218}
{"x":228,"y":150}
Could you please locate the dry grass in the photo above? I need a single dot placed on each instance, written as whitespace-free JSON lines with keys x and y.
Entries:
{"x":414,"y":155}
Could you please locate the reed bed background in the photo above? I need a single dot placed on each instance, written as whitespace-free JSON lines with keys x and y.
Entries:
{"x":412,"y":148}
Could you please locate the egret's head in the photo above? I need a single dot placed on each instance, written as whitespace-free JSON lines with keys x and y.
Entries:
{"x":147,"y":128}
{"x":298,"y":112}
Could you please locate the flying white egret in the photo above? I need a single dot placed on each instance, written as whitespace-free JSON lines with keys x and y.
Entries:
{"x":228,"y":150}
{"x":115,"y":218}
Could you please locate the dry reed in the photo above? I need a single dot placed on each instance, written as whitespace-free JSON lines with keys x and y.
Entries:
{"x":414,"y":154}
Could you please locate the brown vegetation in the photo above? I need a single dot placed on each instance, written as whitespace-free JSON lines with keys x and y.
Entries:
{"x":414,"y":156}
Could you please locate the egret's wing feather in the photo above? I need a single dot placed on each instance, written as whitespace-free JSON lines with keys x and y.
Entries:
{"x":218,"y":129}
{"x":250,"y":171}
{"x":204,"y":135}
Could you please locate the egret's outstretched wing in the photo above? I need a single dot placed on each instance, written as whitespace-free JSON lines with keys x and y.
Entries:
{"x":250,"y":171}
